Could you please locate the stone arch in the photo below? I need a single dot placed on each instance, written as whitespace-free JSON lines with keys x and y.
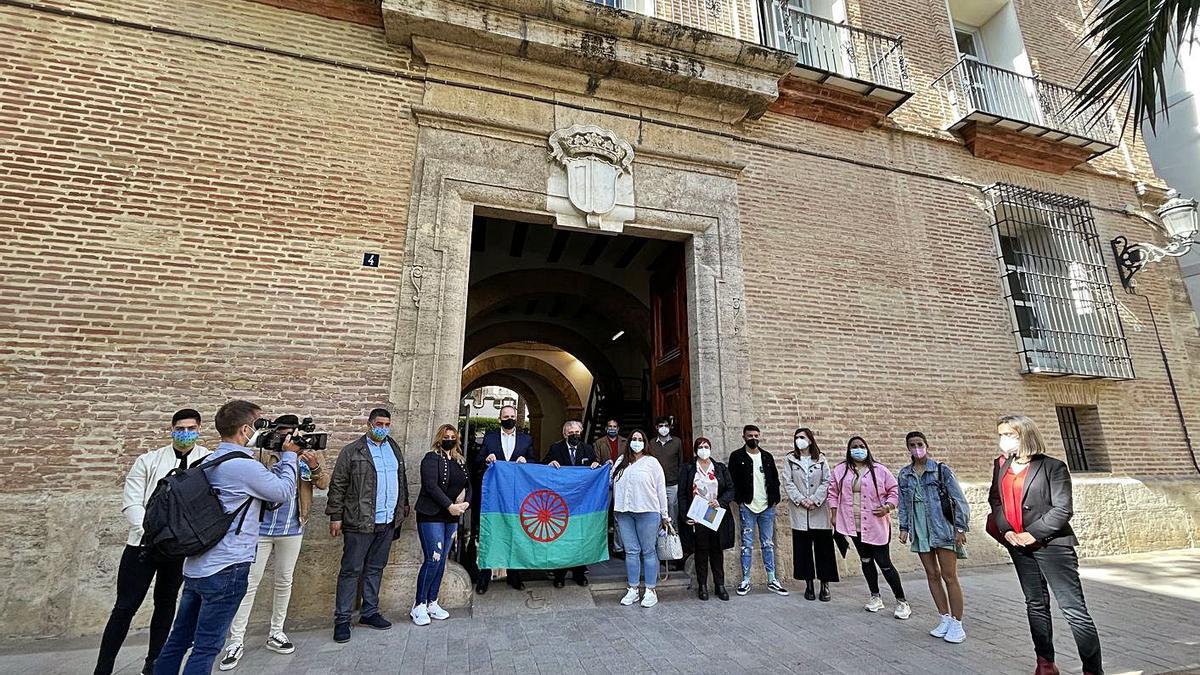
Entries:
{"x":520,"y":362}
{"x":528,"y":396}
{"x":573,"y":342}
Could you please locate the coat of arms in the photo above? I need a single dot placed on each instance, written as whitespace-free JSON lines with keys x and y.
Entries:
{"x":598,"y":175}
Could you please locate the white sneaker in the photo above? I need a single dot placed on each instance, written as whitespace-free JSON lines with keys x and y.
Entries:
{"x":436,"y":612}
{"x":233,"y":656}
{"x":955,"y":633}
{"x":420,"y":615}
{"x":280,"y":644}
{"x":650,"y":599}
{"x":903,"y":611}
{"x":631,"y":596}
{"x":874,"y":604}
{"x":940,"y":631}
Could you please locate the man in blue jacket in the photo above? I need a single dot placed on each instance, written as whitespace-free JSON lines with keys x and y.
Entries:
{"x":506,"y":445}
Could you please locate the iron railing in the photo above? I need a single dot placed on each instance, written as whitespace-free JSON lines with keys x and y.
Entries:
{"x":971,"y":86}
{"x":1063,"y":311}
{"x":837,"y":48}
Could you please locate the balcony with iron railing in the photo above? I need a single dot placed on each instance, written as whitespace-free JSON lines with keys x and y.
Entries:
{"x":1017,"y":118}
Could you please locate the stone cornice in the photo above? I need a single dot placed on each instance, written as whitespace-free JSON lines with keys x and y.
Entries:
{"x":604,"y":43}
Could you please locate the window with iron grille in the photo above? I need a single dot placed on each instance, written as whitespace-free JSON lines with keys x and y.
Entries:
{"x":1064,"y":314}
{"x":1080,"y":429}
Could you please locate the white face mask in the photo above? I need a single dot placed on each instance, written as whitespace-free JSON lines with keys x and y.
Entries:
{"x":802,"y":443}
{"x":1010,"y":445}
{"x":636,"y":446}
{"x":253,"y":437}
{"x":704,"y":452}
{"x":664,"y":431}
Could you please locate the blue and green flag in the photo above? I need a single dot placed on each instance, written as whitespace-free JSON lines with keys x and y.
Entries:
{"x":538,"y":517}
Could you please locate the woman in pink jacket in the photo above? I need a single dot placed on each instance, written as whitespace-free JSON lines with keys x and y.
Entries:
{"x":862,"y":496}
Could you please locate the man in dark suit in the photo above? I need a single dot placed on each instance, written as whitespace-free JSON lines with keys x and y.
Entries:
{"x":571,"y":451}
{"x":506,"y":445}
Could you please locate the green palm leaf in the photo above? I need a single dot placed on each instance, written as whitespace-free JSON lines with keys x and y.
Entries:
{"x":1132,"y":39}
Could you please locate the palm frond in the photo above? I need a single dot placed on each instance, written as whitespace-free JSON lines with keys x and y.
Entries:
{"x":1133,"y":39}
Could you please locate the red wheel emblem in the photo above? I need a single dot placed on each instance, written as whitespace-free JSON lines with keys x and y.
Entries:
{"x":544,"y":515}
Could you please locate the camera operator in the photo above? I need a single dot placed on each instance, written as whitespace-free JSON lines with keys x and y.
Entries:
{"x":279,"y":535}
{"x":368,"y":497}
{"x":215,"y":581}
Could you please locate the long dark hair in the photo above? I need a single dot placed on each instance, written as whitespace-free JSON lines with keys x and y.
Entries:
{"x":630,"y":456}
{"x":850,"y":462}
{"x":813,"y":451}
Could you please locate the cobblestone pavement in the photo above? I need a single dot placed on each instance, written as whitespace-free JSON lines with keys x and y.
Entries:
{"x":1147,"y":607}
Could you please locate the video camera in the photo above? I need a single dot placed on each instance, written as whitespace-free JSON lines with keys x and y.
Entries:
{"x":271,"y":437}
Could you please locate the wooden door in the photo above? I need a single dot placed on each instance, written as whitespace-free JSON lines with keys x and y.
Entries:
{"x":669,"y":373}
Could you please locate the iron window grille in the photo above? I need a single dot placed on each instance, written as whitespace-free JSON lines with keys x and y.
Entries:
{"x":1068,"y":427}
{"x":1063,"y":311}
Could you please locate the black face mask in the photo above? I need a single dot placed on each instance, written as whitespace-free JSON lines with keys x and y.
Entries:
{"x":751,"y":443}
{"x":573,"y":439}
{"x":448,"y":445}
{"x":508,"y":424}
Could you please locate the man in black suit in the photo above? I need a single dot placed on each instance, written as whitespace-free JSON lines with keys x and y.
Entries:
{"x":572,"y":451}
{"x":506,"y":445}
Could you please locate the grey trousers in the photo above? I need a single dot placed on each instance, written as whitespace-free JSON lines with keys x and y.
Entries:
{"x":364,"y":555}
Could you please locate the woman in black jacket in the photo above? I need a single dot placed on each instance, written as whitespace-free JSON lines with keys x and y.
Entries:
{"x":706,"y":479}
{"x":1031,"y":509}
{"x":445,"y":495}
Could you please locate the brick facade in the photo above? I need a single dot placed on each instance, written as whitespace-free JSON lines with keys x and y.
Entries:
{"x":184,"y":215}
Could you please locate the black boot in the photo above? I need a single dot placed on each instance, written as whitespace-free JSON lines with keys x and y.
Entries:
{"x":824,"y":591}
{"x":809,"y":594}
{"x":721,"y":592}
{"x":702,"y":591}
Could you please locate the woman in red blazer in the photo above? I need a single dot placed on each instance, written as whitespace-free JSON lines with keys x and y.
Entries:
{"x":1031,"y":511}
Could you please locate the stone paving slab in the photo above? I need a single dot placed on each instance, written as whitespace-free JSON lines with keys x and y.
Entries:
{"x":1147,"y":607}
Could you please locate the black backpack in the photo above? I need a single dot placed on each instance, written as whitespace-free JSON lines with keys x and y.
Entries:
{"x":184,"y":516}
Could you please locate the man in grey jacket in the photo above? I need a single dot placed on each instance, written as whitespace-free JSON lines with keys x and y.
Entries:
{"x":368,"y":497}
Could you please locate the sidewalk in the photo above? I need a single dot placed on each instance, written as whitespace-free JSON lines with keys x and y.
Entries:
{"x":1147,"y":607}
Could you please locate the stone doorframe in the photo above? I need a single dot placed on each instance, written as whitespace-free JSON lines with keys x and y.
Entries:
{"x":469,"y":166}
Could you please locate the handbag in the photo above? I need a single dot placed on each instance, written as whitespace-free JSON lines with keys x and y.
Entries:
{"x":669,"y":545}
{"x":944,"y":497}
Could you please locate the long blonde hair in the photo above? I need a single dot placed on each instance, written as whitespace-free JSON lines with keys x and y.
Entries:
{"x":1027,"y":430}
{"x":456,"y":452}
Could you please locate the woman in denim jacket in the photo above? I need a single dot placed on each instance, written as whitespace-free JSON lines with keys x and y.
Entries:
{"x":938,"y":540}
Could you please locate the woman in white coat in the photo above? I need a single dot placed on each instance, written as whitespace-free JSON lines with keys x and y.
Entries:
{"x":806,"y":480}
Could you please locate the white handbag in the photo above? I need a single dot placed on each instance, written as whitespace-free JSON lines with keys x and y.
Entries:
{"x":669,"y":545}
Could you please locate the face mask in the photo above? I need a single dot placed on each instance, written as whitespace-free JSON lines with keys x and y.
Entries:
{"x":920,"y":453}
{"x":664,"y":431}
{"x":802,"y":443}
{"x":448,"y":445}
{"x":184,"y":439}
{"x":636,"y":446}
{"x":704,"y":452}
{"x":253,"y":438}
{"x":612,"y":433}
{"x":508,"y":424}
{"x":379,"y":433}
{"x":573,"y":439}
{"x":858,"y":454}
{"x":1010,"y":445}
{"x":751,"y":443}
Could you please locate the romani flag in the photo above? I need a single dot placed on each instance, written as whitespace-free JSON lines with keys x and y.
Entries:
{"x":538,"y":517}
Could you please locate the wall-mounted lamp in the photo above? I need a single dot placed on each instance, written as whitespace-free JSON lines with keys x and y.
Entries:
{"x":1178,"y":217}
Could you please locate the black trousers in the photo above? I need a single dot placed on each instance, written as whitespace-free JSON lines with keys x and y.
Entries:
{"x":1057,"y":567}
{"x":709,"y":555}
{"x":812,"y":555}
{"x":872,"y":555}
{"x":137,"y":569}
{"x":576,"y":573}
{"x":364,"y":554}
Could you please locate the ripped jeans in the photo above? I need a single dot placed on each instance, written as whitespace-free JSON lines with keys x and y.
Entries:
{"x":765,"y":522}
{"x":436,"y":539}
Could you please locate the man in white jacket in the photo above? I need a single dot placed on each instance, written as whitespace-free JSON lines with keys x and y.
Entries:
{"x":140,"y":566}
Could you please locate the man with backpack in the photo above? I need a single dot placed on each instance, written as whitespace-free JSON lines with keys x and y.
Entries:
{"x":141,"y":565}
{"x":215,"y":578}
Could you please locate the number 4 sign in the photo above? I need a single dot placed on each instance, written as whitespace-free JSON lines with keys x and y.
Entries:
{"x":370,"y":260}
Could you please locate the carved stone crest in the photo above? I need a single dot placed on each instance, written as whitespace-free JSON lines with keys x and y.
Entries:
{"x":593,"y":189}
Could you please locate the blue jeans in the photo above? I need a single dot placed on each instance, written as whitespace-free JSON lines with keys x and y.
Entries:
{"x":435,"y":544}
{"x":205,"y":611}
{"x":766,"y":539}
{"x":639,"y":534}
